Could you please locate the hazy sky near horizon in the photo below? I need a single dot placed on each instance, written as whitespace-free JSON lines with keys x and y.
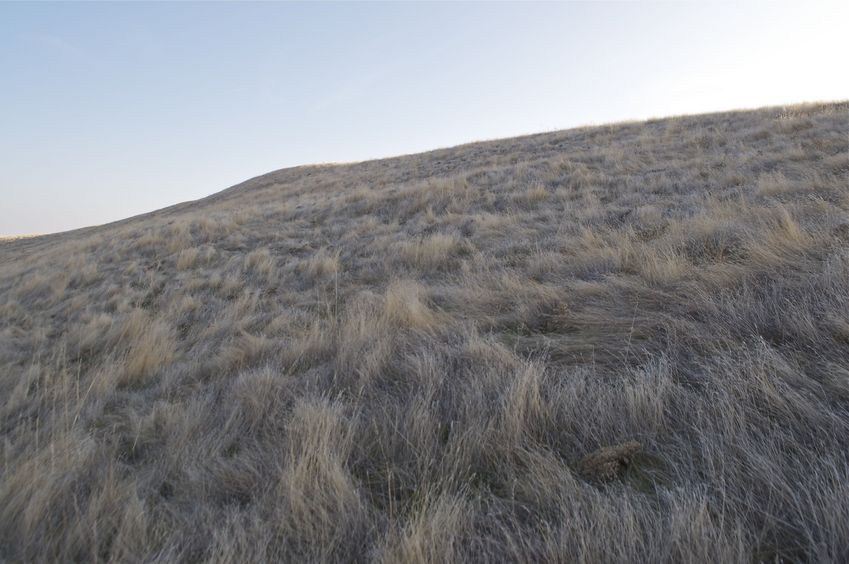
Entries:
{"x":108,"y":110}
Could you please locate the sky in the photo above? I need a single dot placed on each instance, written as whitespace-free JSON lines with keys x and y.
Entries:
{"x":108,"y":110}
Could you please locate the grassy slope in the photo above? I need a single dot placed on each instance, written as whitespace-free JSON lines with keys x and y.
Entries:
{"x":406,"y":359}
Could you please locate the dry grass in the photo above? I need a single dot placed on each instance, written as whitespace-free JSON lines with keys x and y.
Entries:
{"x":429,"y":253}
{"x":626,"y":343}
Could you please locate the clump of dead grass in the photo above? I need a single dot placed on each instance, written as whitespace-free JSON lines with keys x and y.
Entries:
{"x":323,"y":265}
{"x":433,"y":252}
{"x":406,"y":305}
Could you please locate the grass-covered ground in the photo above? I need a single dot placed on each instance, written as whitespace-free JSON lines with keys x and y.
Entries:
{"x":418,"y":359}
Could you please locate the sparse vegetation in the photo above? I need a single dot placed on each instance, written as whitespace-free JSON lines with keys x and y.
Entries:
{"x":626,"y":343}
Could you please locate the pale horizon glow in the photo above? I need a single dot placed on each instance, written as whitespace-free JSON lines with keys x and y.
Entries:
{"x":112,"y":110}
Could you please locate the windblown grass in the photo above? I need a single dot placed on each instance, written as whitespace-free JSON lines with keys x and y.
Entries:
{"x":626,"y":343}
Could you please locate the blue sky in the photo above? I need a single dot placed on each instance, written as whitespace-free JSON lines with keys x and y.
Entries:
{"x":109,"y":110}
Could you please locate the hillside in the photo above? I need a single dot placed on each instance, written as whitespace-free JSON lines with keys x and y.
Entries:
{"x":417,"y":359}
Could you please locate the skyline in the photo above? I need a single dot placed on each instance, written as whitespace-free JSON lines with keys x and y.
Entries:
{"x":116,"y":110}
